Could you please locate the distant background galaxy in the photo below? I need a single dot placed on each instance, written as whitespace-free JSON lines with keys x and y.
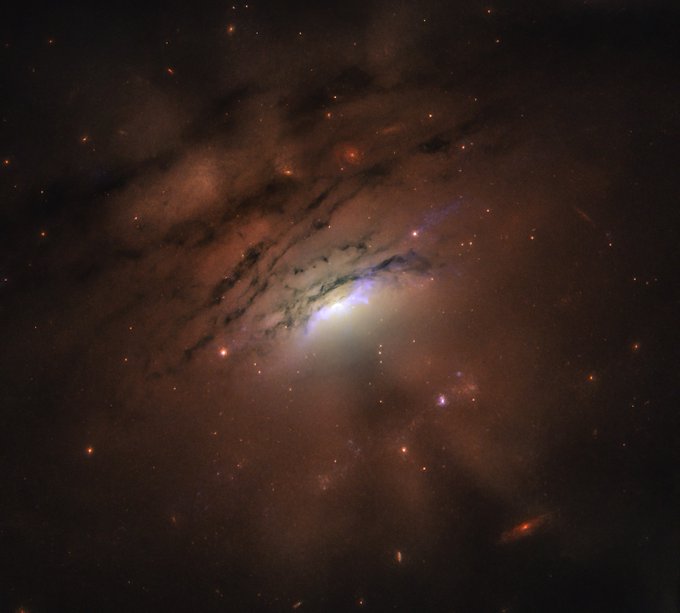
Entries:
{"x":333,"y":307}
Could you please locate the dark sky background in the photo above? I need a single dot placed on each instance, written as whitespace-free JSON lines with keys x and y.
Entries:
{"x":367,"y":306}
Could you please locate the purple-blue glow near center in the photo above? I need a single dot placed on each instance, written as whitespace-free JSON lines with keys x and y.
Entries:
{"x":344,"y":305}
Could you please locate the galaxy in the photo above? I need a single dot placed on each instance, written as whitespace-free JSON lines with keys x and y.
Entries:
{"x":340,"y":306}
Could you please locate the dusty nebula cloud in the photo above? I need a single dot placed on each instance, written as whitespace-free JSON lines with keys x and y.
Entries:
{"x":368,"y":306}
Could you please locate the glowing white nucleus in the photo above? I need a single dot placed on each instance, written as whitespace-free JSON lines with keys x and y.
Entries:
{"x":358,"y":295}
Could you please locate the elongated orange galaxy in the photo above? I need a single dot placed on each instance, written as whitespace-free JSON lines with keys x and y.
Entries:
{"x":525,"y":529}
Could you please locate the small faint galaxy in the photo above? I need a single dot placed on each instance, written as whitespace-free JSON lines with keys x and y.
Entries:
{"x":340,"y":306}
